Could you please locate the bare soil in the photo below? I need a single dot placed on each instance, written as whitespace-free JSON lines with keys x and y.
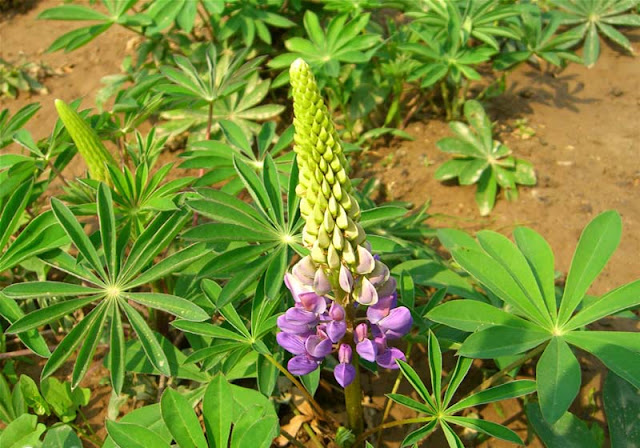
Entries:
{"x":585,"y":148}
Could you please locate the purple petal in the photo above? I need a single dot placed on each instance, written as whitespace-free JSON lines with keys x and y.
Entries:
{"x":301,"y":365}
{"x":295,"y":327}
{"x":291,"y":343}
{"x":321,"y":284}
{"x":366,"y":262}
{"x":366,"y":294}
{"x":381,"y":309}
{"x":367,"y":350}
{"x":318,"y":347}
{"x":336,"y":312}
{"x":387,"y":359}
{"x":344,"y":374}
{"x":361,"y":332}
{"x":397,"y":323}
{"x":388,"y":288}
{"x":300,"y":315}
{"x":345,"y":279}
{"x":345,"y":353}
{"x":336,"y":330}
{"x":313,"y":302}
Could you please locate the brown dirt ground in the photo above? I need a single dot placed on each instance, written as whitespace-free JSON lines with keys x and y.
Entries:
{"x":585,"y":151}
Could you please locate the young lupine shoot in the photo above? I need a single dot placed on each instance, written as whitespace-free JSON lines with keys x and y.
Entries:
{"x":340,"y":277}
{"x":89,"y":145}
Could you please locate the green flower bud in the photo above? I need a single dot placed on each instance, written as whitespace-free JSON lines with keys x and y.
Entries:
{"x":327,"y":205}
{"x":89,"y":145}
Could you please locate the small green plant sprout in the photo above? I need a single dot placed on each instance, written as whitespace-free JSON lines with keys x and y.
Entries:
{"x":532,"y":320}
{"x":590,"y":19}
{"x":233,"y":416}
{"x":89,"y":145}
{"x":110,"y":278}
{"x":481,"y":159}
{"x":15,"y":78}
{"x":440,"y":410}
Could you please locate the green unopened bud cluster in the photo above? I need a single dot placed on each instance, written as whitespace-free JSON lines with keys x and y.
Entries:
{"x":331,"y":213}
{"x":89,"y":145}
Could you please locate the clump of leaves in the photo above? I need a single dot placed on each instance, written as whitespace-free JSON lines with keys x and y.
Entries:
{"x":233,"y":416}
{"x":437,"y":403}
{"x":15,"y":78}
{"x":589,"y":19}
{"x":481,"y":159}
{"x":522,"y":276}
{"x":111,"y":288}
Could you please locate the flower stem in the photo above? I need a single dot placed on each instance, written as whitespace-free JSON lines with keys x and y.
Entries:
{"x":353,"y":392}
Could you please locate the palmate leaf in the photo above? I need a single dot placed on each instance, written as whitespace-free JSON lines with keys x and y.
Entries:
{"x":438,"y":409}
{"x":523,"y":277}
{"x":111,"y":288}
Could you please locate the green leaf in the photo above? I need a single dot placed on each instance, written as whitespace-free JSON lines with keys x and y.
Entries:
{"x":591,"y":46}
{"x":540,"y":257}
{"x":208,"y":330}
{"x":70,"y":342}
{"x":472,"y":315}
{"x":148,"y":340}
{"x":275,"y":272}
{"x":504,"y":391}
{"x":486,"y":193}
{"x":61,"y":437}
{"x":435,"y":367}
{"x":172,"y":264}
{"x":622,"y":407}
{"x":558,"y":379}
{"x":72,"y":227}
{"x":115,"y":357}
{"x":181,"y":420}
{"x":108,"y":230}
{"x":379,"y":215}
{"x":568,"y":432}
{"x":499,"y":341}
{"x":44,"y":290}
{"x":411,"y":403}
{"x":12,"y":212}
{"x":598,"y":241}
{"x":462,"y":367}
{"x":490,"y":428}
{"x":64,"y":401}
{"x":24,"y":431}
{"x":218,"y":409}
{"x":514,"y":262}
{"x":452,"y":438}
{"x":48,"y":314}
{"x":72,"y":12}
{"x":130,"y":435}
{"x":256,"y":188}
{"x":419,"y":434}
{"x":171,"y":304}
{"x":32,"y":396}
{"x":625,"y":362}
{"x":91,"y":341}
{"x":498,"y":280}
{"x":415,"y":381}
{"x":622,"y":298}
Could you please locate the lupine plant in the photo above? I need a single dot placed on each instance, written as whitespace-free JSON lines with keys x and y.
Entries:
{"x":340,"y":276}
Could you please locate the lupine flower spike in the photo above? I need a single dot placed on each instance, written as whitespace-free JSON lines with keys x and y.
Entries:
{"x":340,"y":274}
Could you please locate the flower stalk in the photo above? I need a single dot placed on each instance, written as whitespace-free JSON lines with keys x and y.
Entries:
{"x":340,"y":281}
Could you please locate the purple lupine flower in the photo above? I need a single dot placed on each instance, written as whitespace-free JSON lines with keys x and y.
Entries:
{"x":344,"y":372}
{"x":316,"y":325}
{"x":337,"y":327}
